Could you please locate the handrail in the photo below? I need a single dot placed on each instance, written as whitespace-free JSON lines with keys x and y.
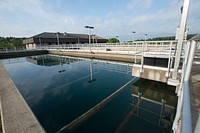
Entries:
{"x":187,"y":118}
{"x":183,"y":107}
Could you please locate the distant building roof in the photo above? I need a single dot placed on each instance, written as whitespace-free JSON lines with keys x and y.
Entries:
{"x":196,"y":38}
{"x":63,"y":35}
{"x":51,"y":37}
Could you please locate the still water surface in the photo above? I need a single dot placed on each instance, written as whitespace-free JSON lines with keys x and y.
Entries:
{"x":60,"y":89}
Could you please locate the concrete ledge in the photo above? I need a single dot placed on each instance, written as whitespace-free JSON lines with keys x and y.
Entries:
{"x":14,"y":54}
{"x":150,"y":72}
{"x":104,"y":56}
{"x":16,"y":115}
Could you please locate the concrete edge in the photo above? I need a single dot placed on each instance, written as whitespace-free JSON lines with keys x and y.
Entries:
{"x":28,"y":108}
{"x":27,"y":105}
{"x":93,"y":55}
{"x":2,"y":121}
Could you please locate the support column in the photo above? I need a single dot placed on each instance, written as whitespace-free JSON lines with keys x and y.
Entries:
{"x":181,"y":37}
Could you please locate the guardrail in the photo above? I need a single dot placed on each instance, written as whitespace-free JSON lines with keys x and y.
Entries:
{"x":183,"y":108}
{"x":12,"y":49}
{"x":131,"y":47}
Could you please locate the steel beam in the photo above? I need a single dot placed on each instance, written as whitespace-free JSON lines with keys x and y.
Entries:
{"x":181,"y":37}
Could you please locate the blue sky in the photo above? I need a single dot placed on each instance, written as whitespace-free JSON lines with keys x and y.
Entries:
{"x":25,"y":18}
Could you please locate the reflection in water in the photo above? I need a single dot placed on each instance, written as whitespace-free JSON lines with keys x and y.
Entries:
{"x":91,"y":72}
{"x":49,"y":60}
{"x":53,"y":60}
{"x":61,"y":68}
{"x":142,"y":107}
{"x":154,"y":102}
{"x":60,"y":89}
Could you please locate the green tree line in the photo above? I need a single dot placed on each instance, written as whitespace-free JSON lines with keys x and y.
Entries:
{"x":10,"y":42}
{"x":113,"y":40}
{"x":166,"y":38}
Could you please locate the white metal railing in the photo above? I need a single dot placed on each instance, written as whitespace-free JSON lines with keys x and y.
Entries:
{"x":136,"y":48}
{"x":12,"y":49}
{"x":183,"y":119}
{"x":128,"y":47}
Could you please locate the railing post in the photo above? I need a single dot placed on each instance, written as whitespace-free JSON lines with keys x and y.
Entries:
{"x":142,"y":59}
{"x":138,"y":103}
{"x":162,"y":109}
{"x":135,"y":52}
{"x":169,"y":60}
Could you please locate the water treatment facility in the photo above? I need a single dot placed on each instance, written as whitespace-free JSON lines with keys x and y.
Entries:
{"x":64,"y":39}
{"x":79,"y":83}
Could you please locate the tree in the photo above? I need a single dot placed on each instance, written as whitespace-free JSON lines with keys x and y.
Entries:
{"x":166,"y":38}
{"x":113,"y":40}
{"x":11,"y":42}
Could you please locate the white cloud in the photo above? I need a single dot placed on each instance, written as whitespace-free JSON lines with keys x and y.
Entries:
{"x":35,"y":16}
{"x":194,"y":17}
{"x":163,"y":22}
{"x":40,"y":19}
{"x":136,"y":4}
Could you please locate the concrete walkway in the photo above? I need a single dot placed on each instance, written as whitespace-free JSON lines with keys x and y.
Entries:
{"x":195,"y":92}
{"x":16,"y":116}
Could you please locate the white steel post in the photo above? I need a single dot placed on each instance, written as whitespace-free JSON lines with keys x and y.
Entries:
{"x":142,"y":59}
{"x":89,"y":39}
{"x":145,"y":38}
{"x":135,"y":46}
{"x":190,"y":60}
{"x":181,"y":37}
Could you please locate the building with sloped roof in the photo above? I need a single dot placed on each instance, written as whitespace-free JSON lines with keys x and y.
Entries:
{"x":196,"y":38}
{"x":61,"y":39}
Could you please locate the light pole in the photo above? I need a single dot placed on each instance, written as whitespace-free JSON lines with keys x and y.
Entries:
{"x":145,"y":39}
{"x":142,"y":60}
{"x":89,"y":31}
{"x":135,"y":46}
{"x":117,"y":39}
{"x":133,"y":34}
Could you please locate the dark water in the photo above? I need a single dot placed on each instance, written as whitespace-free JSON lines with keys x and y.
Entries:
{"x":60,"y":89}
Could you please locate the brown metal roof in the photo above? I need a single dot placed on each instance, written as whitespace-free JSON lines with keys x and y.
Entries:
{"x":52,"y":37}
{"x":64,"y":35}
{"x":196,"y":38}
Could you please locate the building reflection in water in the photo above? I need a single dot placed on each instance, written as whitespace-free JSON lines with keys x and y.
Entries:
{"x":49,"y":60}
{"x":53,"y":60}
{"x":154,"y":102}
